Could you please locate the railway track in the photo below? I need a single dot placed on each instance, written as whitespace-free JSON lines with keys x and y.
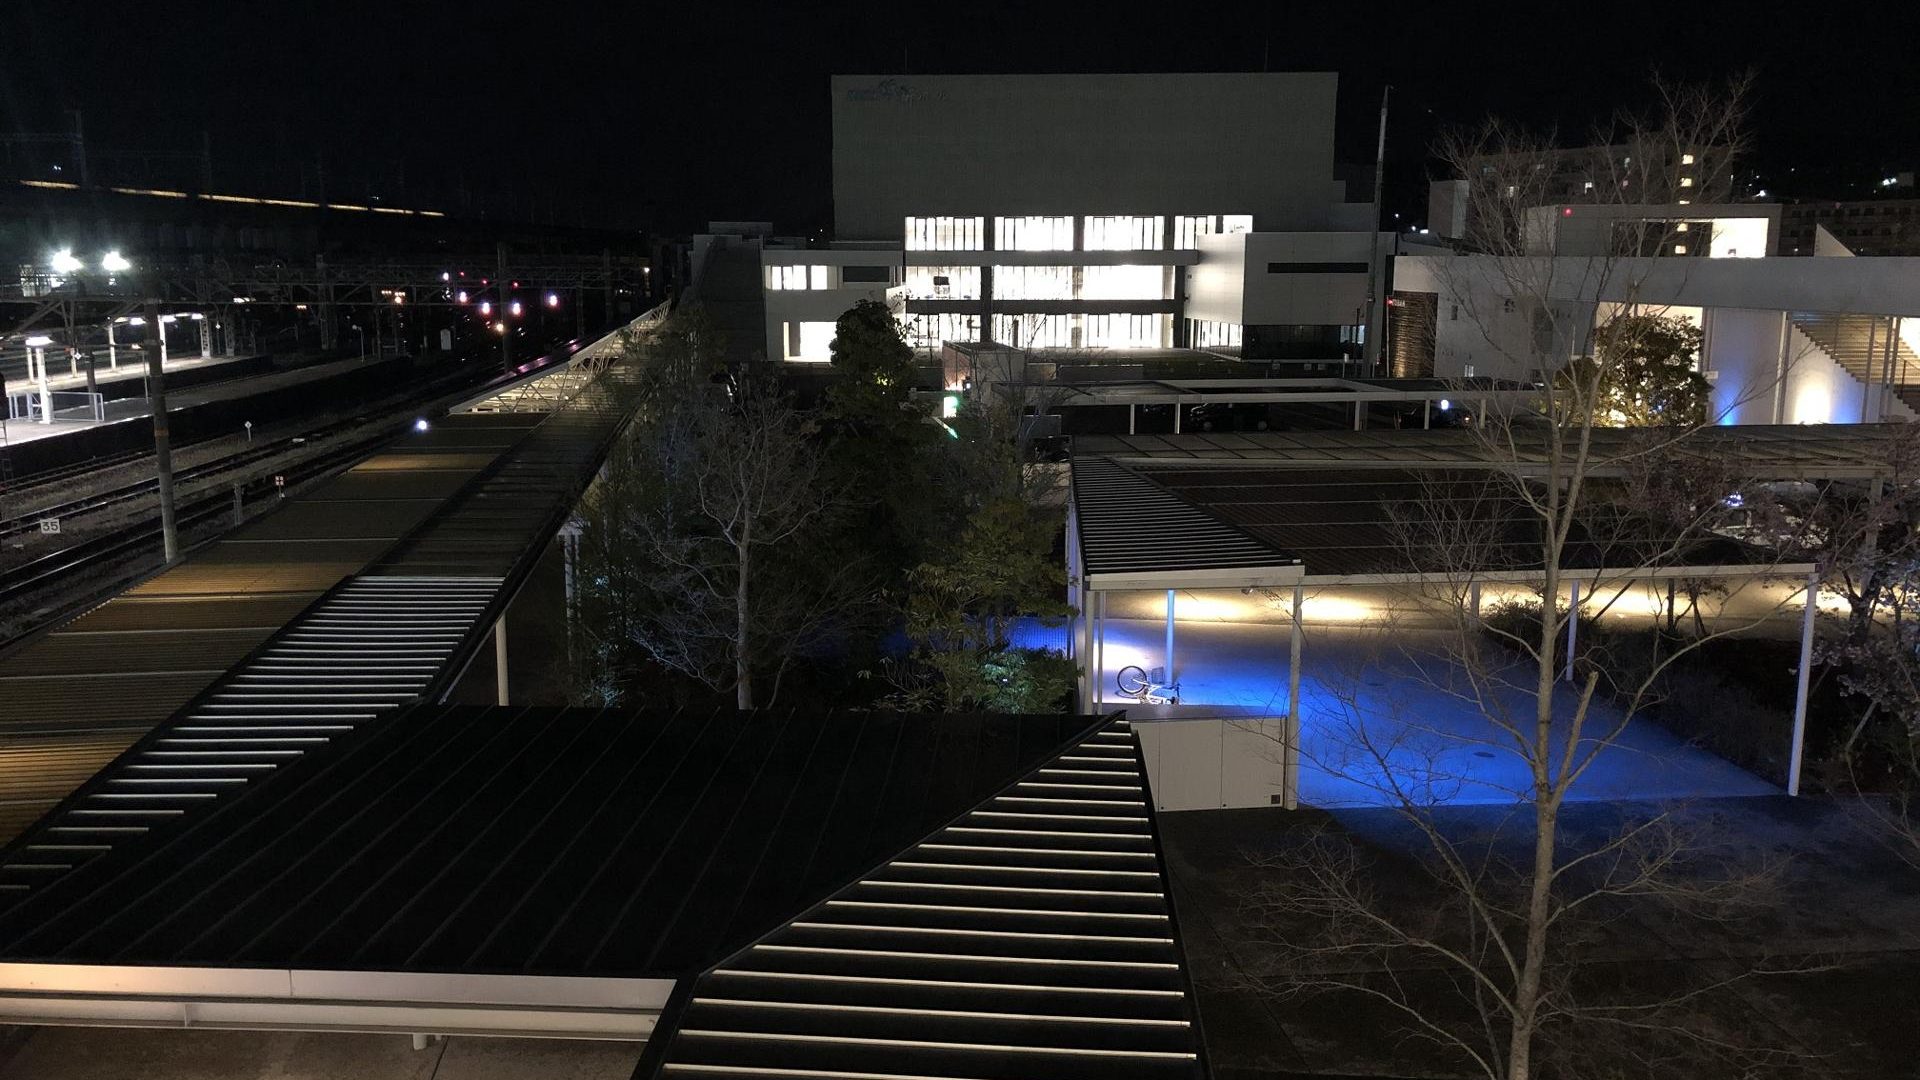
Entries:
{"x":98,"y":554}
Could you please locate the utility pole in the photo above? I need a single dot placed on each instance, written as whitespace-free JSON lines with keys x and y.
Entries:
{"x":162,"y":437}
{"x":1374,"y":307}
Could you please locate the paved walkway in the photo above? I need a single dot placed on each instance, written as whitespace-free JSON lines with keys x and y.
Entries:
{"x":1373,"y":723}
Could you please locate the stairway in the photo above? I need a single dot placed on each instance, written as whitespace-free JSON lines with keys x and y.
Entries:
{"x":1858,"y":343}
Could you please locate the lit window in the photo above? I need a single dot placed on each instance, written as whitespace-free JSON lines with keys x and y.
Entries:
{"x":945,"y":234}
{"x":1588,"y":186}
{"x":786,"y":277}
{"x":817,"y":278}
{"x":1124,"y":283}
{"x":1125,"y":233}
{"x":1686,"y":159}
{"x":1682,"y":227}
{"x":1679,"y":249}
{"x":1686,"y":181}
{"x":1033,"y":233}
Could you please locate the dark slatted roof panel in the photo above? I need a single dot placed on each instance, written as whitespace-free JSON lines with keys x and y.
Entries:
{"x":1031,"y":938}
{"x":1129,"y":524}
{"x":549,"y":841}
{"x":369,"y":646}
{"x":1770,"y":451}
{"x":1349,"y":522}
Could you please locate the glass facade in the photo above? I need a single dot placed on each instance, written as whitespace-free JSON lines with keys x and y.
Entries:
{"x":930,"y":331}
{"x":946,"y":234}
{"x":800,"y":277}
{"x":944,"y":282}
{"x":1188,"y":228}
{"x":1033,"y":233}
{"x":1126,"y":283}
{"x":1126,"y":233}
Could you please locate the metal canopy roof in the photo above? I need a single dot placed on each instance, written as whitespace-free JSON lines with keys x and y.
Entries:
{"x":1356,"y":524}
{"x":1032,"y":937}
{"x":1825,"y":451}
{"x":834,"y":894}
{"x":533,"y":841}
{"x":1135,"y":534}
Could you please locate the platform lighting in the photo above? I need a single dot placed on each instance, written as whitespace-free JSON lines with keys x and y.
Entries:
{"x":63,"y":261}
{"x":1445,"y":404}
{"x":113,"y":262}
{"x":486,"y":308}
{"x":444,"y":276}
{"x":399,"y":298}
{"x":499,"y":328}
{"x":420,"y":424}
{"x":553,"y":299}
{"x":463,"y":296}
{"x":514,"y":309}
{"x":40,"y":342}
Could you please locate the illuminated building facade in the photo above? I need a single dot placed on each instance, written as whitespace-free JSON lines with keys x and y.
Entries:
{"x":1095,"y":212}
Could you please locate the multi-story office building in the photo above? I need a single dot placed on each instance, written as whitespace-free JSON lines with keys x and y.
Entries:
{"x":1085,"y":212}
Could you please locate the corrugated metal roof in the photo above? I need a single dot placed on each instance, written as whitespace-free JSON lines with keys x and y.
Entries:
{"x":1127,"y":524}
{"x":1349,"y":522}
{"x":534,"y":840}
{"x":1031,"y":937}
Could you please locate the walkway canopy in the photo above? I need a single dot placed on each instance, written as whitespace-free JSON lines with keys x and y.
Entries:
{"x":850,"y":893}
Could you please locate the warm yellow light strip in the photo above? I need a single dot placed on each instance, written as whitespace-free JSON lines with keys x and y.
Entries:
{"x":299,"y":204}
{"x":148,"y":191}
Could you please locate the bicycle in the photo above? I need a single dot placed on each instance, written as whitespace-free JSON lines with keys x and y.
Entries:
{"x":1133,"y":681}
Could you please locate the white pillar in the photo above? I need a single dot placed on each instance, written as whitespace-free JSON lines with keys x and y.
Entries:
{"x":500,"y":657}
{"x":37,"y":359}
{"x":1100,"y":649}
{"x":1176,"y":415}
{"x":1473,"y":604}
{"x":1426,"y":414}
{"x":1573,"y":623}
{"x":1810,"y":602}
{"x":73,"y":362}
{"x":1290,"y":739}
{"x":1130,"y":418}
{"x":113,"y":349}
{"x":1170,"y":678}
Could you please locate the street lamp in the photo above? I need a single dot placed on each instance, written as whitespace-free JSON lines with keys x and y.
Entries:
{"x":63,"y":262}
{"x":113,"y":262}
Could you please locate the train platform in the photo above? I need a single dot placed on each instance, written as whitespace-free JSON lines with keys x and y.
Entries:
{"x":73,"y":698}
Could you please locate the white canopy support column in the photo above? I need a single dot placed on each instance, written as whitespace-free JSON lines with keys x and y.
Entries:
{"x":1171,"y":593}
{"x":1809,"y":603}
{"x":1290,"y":739}
{"x":1100,"y":649}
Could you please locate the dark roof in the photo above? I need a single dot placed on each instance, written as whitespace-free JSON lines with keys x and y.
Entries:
{"x":1345,"y":522}
{"x":1129,"y":524}
{"x":1767,"y":451}
{"x":1032,"y":938}
{"x":533,"y":840}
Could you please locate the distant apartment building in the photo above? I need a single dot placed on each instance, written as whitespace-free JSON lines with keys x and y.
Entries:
{"x":1885,"y":226}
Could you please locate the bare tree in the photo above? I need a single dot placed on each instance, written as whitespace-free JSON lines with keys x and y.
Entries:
{"x":703,"y":541}
{"x":1504,"y":915}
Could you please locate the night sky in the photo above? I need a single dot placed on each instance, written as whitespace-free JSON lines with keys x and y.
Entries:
{"x":665,"y":115}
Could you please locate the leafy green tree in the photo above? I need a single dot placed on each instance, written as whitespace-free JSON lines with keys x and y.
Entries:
{"x":882,"y":448}
{"x":1642,"y":373}
{"x":961,"y":612}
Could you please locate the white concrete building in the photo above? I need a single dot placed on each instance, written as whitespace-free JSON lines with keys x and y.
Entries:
{"x":1788,"y":340}
{"x":1086,"y":212}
